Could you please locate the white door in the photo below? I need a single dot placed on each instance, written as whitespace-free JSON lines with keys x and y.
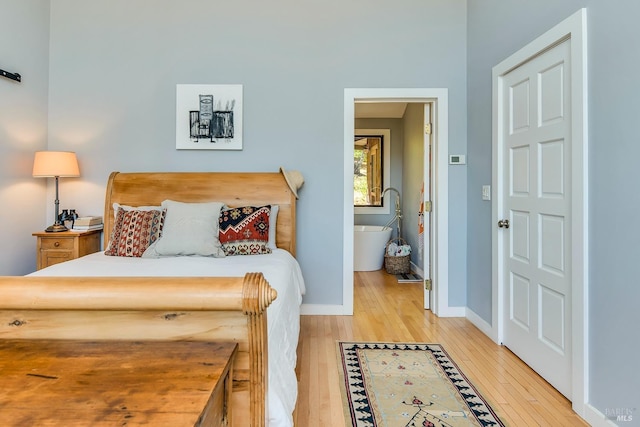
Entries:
{"x":536,"y":240}
{"x":425,"y":214}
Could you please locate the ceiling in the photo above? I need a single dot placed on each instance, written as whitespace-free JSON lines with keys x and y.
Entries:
{"x":380,"y":110}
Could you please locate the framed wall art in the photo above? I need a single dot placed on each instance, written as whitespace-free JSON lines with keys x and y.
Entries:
{"x":208,"y":117}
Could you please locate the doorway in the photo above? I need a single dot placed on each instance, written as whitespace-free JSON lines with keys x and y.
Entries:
{"x":406,"y":142}
{"x":438,"y":99}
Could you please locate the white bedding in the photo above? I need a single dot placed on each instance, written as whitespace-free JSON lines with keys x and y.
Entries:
{"x":281,"y":270}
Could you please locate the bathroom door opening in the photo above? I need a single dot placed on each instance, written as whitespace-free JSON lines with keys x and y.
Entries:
{"x":409,"y":146}
{"x":407,"y":128}
{"x":439,"y":240}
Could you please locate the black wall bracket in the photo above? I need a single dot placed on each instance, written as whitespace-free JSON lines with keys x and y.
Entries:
{"x":12,"y":76}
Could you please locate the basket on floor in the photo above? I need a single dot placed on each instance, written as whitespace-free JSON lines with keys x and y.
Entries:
{"x":397,"y":264}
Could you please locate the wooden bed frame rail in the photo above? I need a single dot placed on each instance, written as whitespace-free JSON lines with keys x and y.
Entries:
{"x":151,"y":308}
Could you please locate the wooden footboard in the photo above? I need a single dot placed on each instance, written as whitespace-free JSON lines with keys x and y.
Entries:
{"x":151,"y":308}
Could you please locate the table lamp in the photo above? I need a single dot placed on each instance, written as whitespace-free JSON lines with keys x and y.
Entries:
{"x":54,"y":164}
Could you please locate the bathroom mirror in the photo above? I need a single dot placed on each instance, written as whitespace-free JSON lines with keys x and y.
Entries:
{"x":368,"y":170}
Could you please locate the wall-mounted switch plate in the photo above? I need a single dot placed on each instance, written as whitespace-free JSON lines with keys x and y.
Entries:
{"x":486,"y":192}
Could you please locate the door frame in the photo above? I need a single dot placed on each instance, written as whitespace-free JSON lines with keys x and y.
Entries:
{"x":573,"y":28}
{"x":439,"y":240}
{"x":428,"y":192}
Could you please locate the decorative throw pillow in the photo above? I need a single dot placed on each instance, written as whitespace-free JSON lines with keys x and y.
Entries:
{"x":134,"y":231}
{"x":189,"y":229}
{"x":245,"y":230}
{"x":117,"y":206}
{"x":273,"y":220}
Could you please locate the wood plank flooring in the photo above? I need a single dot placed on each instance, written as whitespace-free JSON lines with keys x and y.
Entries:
{"x":385,"y":310}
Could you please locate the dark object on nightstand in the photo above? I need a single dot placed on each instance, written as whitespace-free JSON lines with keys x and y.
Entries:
{"x":68,"y":215}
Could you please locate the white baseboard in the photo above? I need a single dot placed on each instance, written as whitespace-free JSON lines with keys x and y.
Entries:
{"x":452,"y":312}
{"x":595,"y":418}
{"x":417,"y":270}
{"x":481,"y":324}
{"x":322,"y":310}
{"x":339,"y":310}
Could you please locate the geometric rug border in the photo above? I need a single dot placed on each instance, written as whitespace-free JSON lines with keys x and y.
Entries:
{"x":484,"y":414}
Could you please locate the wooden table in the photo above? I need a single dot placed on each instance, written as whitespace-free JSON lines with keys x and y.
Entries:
{"x":115,"y":383}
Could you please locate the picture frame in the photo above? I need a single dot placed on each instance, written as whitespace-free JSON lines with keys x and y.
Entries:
{"x":208,"y":117}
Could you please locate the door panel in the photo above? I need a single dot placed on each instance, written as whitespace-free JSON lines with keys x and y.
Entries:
{"x":520,"y":304}
{"x":519,"y":180}
{"x":551,"y":171}
{"x":536,"y":264}
{"x":552,"y":244}
{"x":520,"y":237}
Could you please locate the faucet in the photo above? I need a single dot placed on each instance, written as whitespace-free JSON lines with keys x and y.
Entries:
{"x":398,"y":213}
{"x":397,"y":196}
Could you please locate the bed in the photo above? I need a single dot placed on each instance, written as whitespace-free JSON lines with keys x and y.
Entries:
{"x":253,"y":300}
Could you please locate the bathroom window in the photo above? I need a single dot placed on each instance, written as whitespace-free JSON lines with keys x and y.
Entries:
{"x":368,"y":170}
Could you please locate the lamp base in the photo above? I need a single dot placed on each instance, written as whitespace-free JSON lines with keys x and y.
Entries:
{"x":55,"y":228}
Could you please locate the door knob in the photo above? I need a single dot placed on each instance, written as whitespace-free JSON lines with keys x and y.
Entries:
{"x":503,"y":223}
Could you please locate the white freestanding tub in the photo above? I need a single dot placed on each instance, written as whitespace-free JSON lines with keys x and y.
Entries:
{"x":369,"y":242}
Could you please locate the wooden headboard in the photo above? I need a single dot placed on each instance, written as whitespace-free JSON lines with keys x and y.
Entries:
{"x":232,"y":188}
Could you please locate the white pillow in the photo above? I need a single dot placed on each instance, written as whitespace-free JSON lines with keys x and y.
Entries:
{"x":189,"y":229}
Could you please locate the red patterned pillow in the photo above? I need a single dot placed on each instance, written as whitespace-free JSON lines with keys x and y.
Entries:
{"x":134,"y":231}
{"x":245,"y":230}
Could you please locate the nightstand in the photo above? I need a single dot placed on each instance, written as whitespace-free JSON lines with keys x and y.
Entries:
{"x":54,"y":248}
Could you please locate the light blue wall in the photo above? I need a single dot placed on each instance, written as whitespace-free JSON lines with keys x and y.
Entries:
{"x":496,"y":30}
{"x":114,"y":67}
{"x":24,"y":49}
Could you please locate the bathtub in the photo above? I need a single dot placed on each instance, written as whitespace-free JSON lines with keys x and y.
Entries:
{"x":369,"y":242}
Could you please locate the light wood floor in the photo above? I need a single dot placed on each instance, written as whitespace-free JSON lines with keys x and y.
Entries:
{"x":385,"y":310}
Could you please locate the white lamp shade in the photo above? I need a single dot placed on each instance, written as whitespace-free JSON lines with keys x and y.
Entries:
{"x":55,"y":163}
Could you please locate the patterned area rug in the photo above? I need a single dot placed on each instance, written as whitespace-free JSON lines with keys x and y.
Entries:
{"x":408,"y":384}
